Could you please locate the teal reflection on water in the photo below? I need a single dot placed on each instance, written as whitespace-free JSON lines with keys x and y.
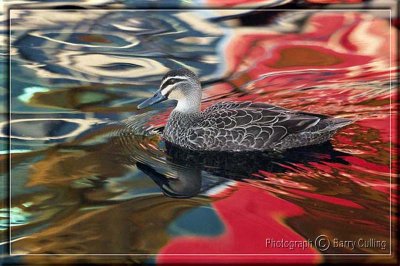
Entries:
{"x":202,"y":221}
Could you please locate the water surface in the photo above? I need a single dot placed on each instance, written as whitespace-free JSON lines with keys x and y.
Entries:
{"x":90,"y":174}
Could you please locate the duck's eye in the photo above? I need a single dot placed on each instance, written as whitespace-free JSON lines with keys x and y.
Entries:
{"x":170,"y":82}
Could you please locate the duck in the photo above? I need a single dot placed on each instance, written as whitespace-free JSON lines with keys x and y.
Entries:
{"x":235,"y":126}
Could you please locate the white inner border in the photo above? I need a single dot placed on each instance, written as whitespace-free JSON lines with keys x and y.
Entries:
{"x":228,"y":254}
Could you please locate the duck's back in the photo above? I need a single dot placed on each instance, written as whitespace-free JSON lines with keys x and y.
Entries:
{"x":246,"y":126}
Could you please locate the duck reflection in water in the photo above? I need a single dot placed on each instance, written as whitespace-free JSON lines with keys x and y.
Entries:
{"x":196,"y":172}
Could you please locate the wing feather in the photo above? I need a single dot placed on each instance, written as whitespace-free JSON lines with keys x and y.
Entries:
{"x":232,"y":125}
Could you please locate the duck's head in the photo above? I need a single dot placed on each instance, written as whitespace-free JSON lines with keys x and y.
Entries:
{"x":181,"y":85}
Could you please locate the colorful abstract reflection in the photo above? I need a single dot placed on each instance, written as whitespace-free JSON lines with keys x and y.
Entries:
{"x":90,"y":175}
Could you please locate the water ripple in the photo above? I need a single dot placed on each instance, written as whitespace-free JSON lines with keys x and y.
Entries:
{"x":84,"y":159}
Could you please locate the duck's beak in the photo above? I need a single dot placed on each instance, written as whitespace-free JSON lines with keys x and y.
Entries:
{"x":158,"y":97}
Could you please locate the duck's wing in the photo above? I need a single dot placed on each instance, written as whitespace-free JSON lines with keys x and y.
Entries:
{"x":253,"y":106}
{"x":229,"y":115}
{"x":248,"y":125}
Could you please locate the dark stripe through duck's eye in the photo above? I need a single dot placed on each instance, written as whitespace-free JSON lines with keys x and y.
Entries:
{"x":171,"y":81}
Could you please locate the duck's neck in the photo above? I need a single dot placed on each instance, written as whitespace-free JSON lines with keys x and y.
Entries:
{"x":189,"y":105}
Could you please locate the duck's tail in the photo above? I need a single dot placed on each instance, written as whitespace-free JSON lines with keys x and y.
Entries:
{"x":334,"y":124}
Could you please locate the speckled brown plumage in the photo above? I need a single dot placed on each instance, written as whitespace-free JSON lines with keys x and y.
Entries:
{"x":246,"y":126}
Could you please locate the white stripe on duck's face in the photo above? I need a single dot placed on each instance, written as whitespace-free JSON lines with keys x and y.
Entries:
{"x":172,"y":80}
{"x":170,"y":83}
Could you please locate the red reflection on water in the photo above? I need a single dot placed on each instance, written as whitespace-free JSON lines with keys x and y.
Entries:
{"x":332,"y":47}
{"x":251,"y":216}
{"x":329,"y":199}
